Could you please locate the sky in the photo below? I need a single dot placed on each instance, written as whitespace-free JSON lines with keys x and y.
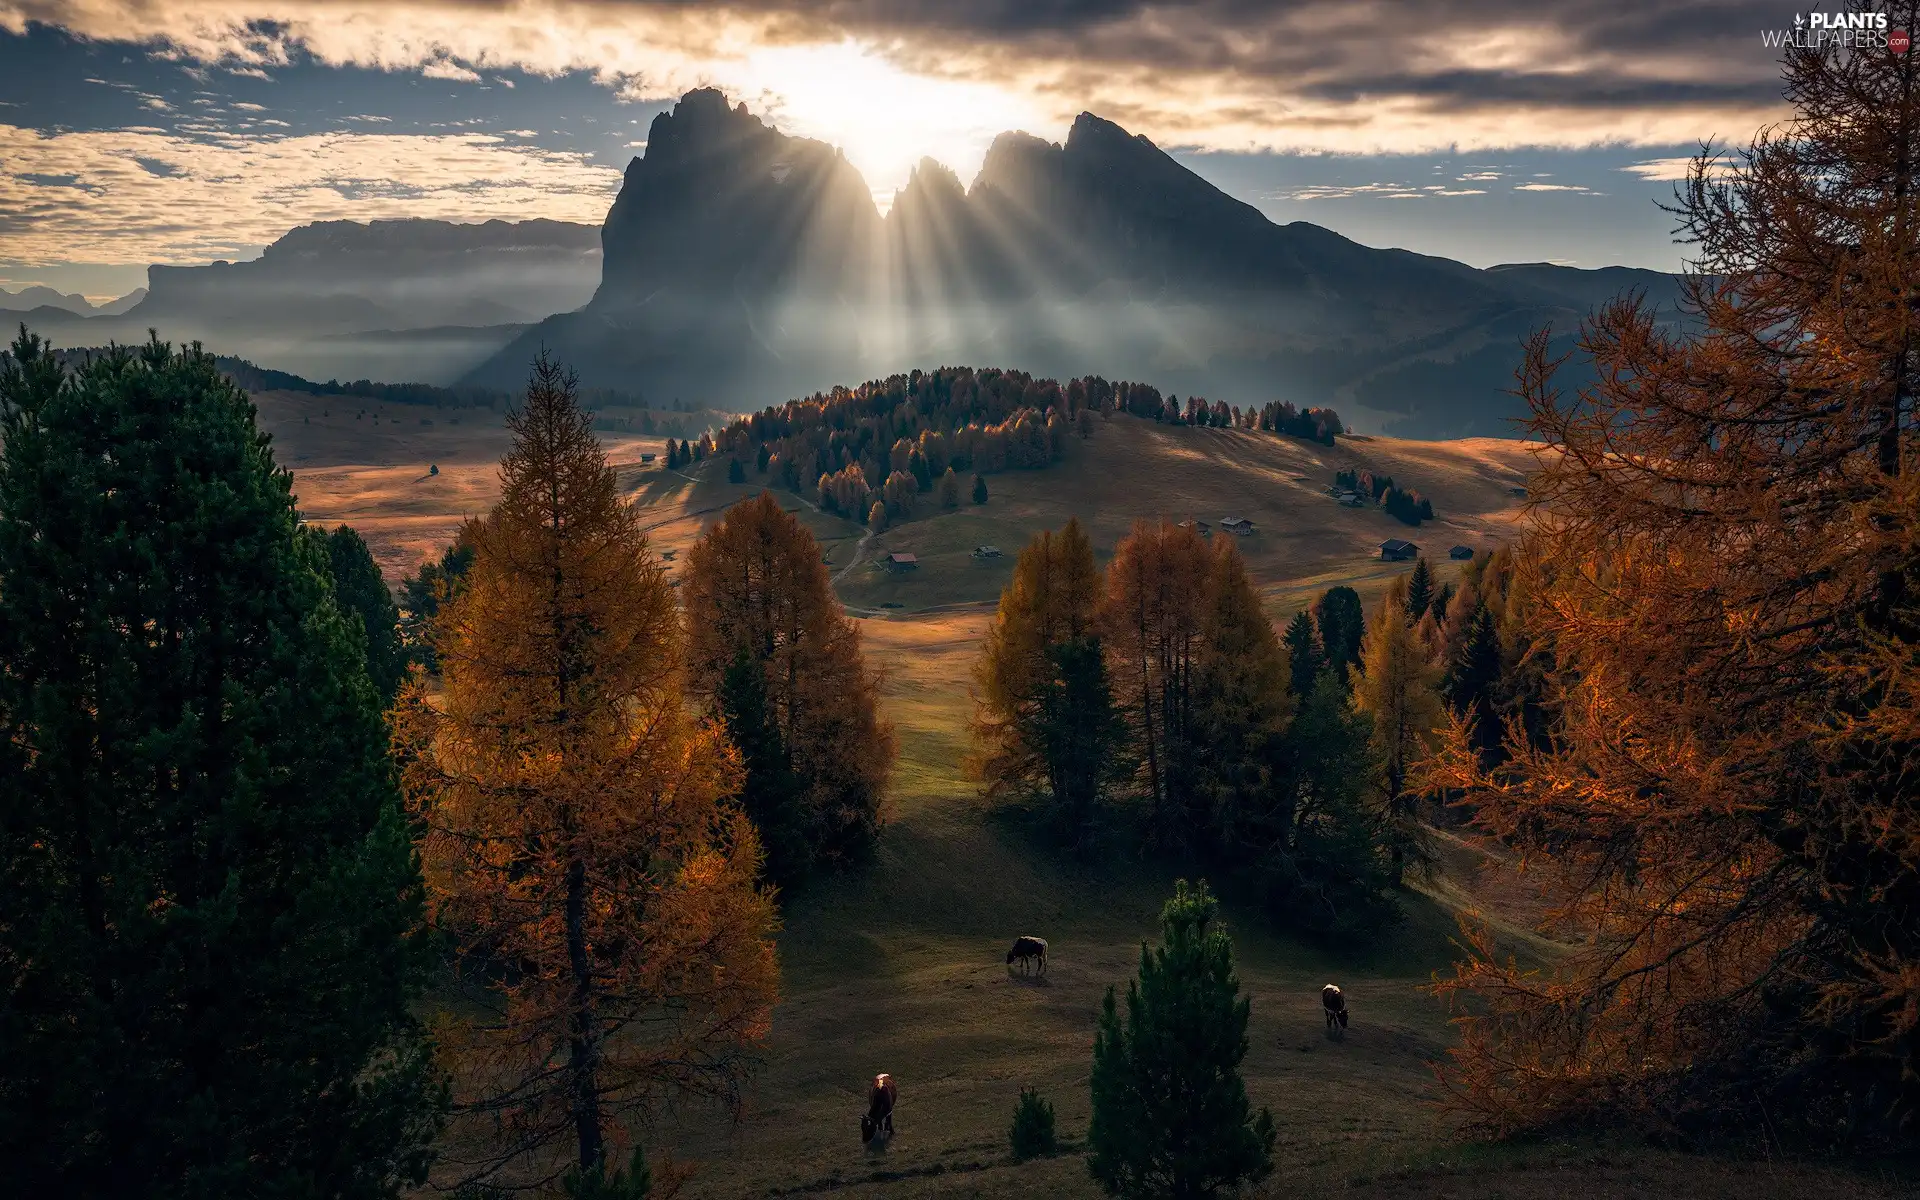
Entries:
{"x":184,"y":131}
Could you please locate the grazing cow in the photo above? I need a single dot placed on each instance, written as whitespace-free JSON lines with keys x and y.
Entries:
{"x":879,"y":1115}
{"x":1335,"y":1003}
{"x":1029,"y":950}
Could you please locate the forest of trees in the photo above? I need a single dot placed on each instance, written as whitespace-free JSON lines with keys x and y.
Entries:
{"x":1158,"y":695}
{"x":1405,"y":504}
{"x":870,"y":452}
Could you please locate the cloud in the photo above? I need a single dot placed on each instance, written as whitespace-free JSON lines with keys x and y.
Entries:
{"x":1348,"y":76}
{"x":132,"y":197}
{"x":243,"y":106}
{"x":1551,"y":187}
{"x":443,"y":69}
{"x":1385,"y":191}
{"x":1661,"y":168}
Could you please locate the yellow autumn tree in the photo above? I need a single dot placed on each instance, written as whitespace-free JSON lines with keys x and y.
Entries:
{"x":579,"y":845}
{"x":819,"y":754}
{"x":1242,"y":709}
{"x":1045,"y":725}
{"x":1725,"y":569}
{"x":1397,"y":687}
{"x":1151,"y":617}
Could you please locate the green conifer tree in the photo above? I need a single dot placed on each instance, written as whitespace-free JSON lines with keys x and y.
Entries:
{"x":210,"y":917}
{"x":360,"y":591}
{"x":1419,"y":591}
{"x":1473,"y":674}
{"x":1325,"y":868}
{"x":1342,"y":626}
{"x":735,"y":472}
{"x":979,"y":490}
{"x":1304,"y":654}
{"x":772,"y":794}
{"x":1082,"y":736}
{"x":1170,"y":1112}
{"x":424,"y":592}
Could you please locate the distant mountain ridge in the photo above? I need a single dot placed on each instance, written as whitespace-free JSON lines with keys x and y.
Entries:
{"x":434,"y":297}
{"x":348,"y":277}
{"x":742,"y":265}
{"x":35,"y":296}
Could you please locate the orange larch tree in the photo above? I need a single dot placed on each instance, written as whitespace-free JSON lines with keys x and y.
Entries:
{"x":1152,"y":618}
{"x":755,"y":586}
{"x":579,"y":844}
{"x":1724,"y":575}
{"x":1397,"y":686}
{"x":1045,"y":725}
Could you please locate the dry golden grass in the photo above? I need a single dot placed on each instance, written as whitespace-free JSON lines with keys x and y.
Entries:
{"x":900,"y":968}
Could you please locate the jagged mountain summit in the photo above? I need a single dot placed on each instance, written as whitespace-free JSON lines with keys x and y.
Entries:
{"x":742,"y":265}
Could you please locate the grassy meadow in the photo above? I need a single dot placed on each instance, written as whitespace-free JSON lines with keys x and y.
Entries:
{"x":900,"y":968}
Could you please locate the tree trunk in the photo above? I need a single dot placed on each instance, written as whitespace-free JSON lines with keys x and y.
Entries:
{"x":583,"y":1053}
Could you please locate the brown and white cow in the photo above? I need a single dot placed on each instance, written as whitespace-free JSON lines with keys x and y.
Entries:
{"x":879,"y":1116}
{"x":1335,"y":1004}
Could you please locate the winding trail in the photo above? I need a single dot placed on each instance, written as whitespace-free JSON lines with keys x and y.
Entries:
{"x":859,"y":551}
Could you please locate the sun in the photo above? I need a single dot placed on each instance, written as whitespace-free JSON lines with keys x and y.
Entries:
{"x":883,"y":118}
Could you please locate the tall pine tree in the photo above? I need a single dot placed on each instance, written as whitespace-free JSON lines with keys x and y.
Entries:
{"x":359,"y":589}
{"x":770,"y":793}
{"x":1419,"y":591}
{"x":1338,"y":616}
{"x":1472,"y":675}
{"x":1170,"y":1112}
{"x":210,"y":920}
{"x":1324,"y":869}
{"x":1304,"y":656}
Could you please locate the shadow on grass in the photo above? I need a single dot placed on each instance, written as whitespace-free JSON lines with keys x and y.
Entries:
{"x":837,"y":1180}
